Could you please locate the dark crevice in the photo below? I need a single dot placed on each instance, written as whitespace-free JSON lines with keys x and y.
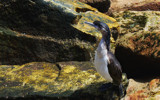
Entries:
{"x":114,"y":32}
{"x":59,"y":71}
{"x":82,"y":10}
{"x":137,"y":66}
{"x":101,"y":6}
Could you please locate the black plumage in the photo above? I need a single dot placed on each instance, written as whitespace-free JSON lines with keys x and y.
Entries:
{"x":114,"y":68}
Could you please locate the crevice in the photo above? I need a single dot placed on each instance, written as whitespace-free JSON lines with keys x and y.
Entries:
{"x":137,"y":66}
{"x":82,"y":10}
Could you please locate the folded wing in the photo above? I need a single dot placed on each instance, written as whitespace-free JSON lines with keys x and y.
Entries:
{"x":114,"y":68}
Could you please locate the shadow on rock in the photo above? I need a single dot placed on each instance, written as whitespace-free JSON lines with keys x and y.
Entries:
{"x":36,"y":31}
{"x":139,"y":67}
{"x":90,"y":92}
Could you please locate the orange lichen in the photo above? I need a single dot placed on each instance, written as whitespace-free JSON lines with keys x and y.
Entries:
{"x":138,"y":95}
{"x":153,"y":83}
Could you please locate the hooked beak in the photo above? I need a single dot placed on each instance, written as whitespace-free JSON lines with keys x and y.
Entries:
{"x":91,"y":24}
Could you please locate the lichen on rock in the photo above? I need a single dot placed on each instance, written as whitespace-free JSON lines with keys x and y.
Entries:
{"x":134,"y":21}
{"x":63,"y":80}
{"x":138,"y":43}
{"x":46,"y":79}
{"x":143,"y":90}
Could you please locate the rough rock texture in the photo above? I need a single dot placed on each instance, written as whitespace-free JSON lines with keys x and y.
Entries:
{"x":135,"y":5}
{"x":138,"y":47}
{"x":61,"y":81}
{"x":150,"y":6}
{"x":136,"y":22}
{"x":37,"y":30}
{"x":143,"y":90}
{"x":101,"y":5}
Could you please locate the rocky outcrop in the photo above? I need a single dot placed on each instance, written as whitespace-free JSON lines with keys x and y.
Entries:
{"x":138,"y":46}
{"x":60,"y":81}
{"x":134,"y":5}
{"x":50,"y":31}
{"x":101,"y":5}
{"x":36,"y":32}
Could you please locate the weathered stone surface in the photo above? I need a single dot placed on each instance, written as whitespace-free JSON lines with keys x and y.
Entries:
{"x":138,"y":47}
{"x":143,"y":90}
{"x":50,"y":30}
{"x":134,"y":21}
{"x":134,"y":5}
{"x":101,"y":5}
{"x":149,"y":6}
{"x":61,"y":81}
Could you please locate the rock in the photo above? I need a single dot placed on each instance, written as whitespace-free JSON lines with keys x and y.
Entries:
{"x":101,"y":5}
{"x":135,"y":21}
{"x":149,"y":6}
{"x":142,"y":90}
{"x":137,"y":48}
{"x":134,"y":5}
{"x":154,"y":85}
{"x":60,"y":81}
{"x":50,"y":31}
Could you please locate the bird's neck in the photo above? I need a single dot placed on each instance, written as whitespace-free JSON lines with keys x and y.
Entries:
{"x":106,"y":39}
{"x":104,"y":45}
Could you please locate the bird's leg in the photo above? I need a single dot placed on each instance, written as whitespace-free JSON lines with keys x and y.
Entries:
{"x":121,"y":93}
{"x":119,"y":90}
{"x":105,"y":87}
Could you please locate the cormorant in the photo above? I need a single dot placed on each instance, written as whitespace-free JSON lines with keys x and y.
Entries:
{"x":105,"y":62}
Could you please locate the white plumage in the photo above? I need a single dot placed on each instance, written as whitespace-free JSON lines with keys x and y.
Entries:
{"x":101,"y":61}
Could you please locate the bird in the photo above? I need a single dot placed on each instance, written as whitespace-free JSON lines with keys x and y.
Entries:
{"x":105,"y":62}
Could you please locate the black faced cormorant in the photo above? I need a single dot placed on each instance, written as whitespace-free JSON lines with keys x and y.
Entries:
{"x":105,"y":62}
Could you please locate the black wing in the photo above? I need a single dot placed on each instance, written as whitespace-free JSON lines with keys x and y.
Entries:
{"x":114,"y":68}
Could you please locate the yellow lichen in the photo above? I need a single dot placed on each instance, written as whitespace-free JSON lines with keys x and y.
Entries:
{"x":69,"y":69}
{"x":44,"y":77}
{"x":91,"y":16}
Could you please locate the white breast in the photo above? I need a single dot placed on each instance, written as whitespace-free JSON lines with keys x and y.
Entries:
{"x":101,"y":62}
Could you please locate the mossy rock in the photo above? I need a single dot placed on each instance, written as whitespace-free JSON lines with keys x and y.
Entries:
{"x":137,"y":21}
{"x":139,"y":51}
{"x":49,"y":30}
{"x":138,"y":43}
{"x":62,"y":80}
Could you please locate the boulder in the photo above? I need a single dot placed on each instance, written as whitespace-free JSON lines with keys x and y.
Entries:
{"x":137,"y":48}
{"x":143,"y":90}
{"x":48,"y":30}
{"x":60,"y":81}
{"x":101,"y":5}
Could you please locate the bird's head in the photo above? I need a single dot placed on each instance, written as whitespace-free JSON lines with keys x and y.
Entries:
{"x":100,"y":26}
{"x":104,"y":29}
